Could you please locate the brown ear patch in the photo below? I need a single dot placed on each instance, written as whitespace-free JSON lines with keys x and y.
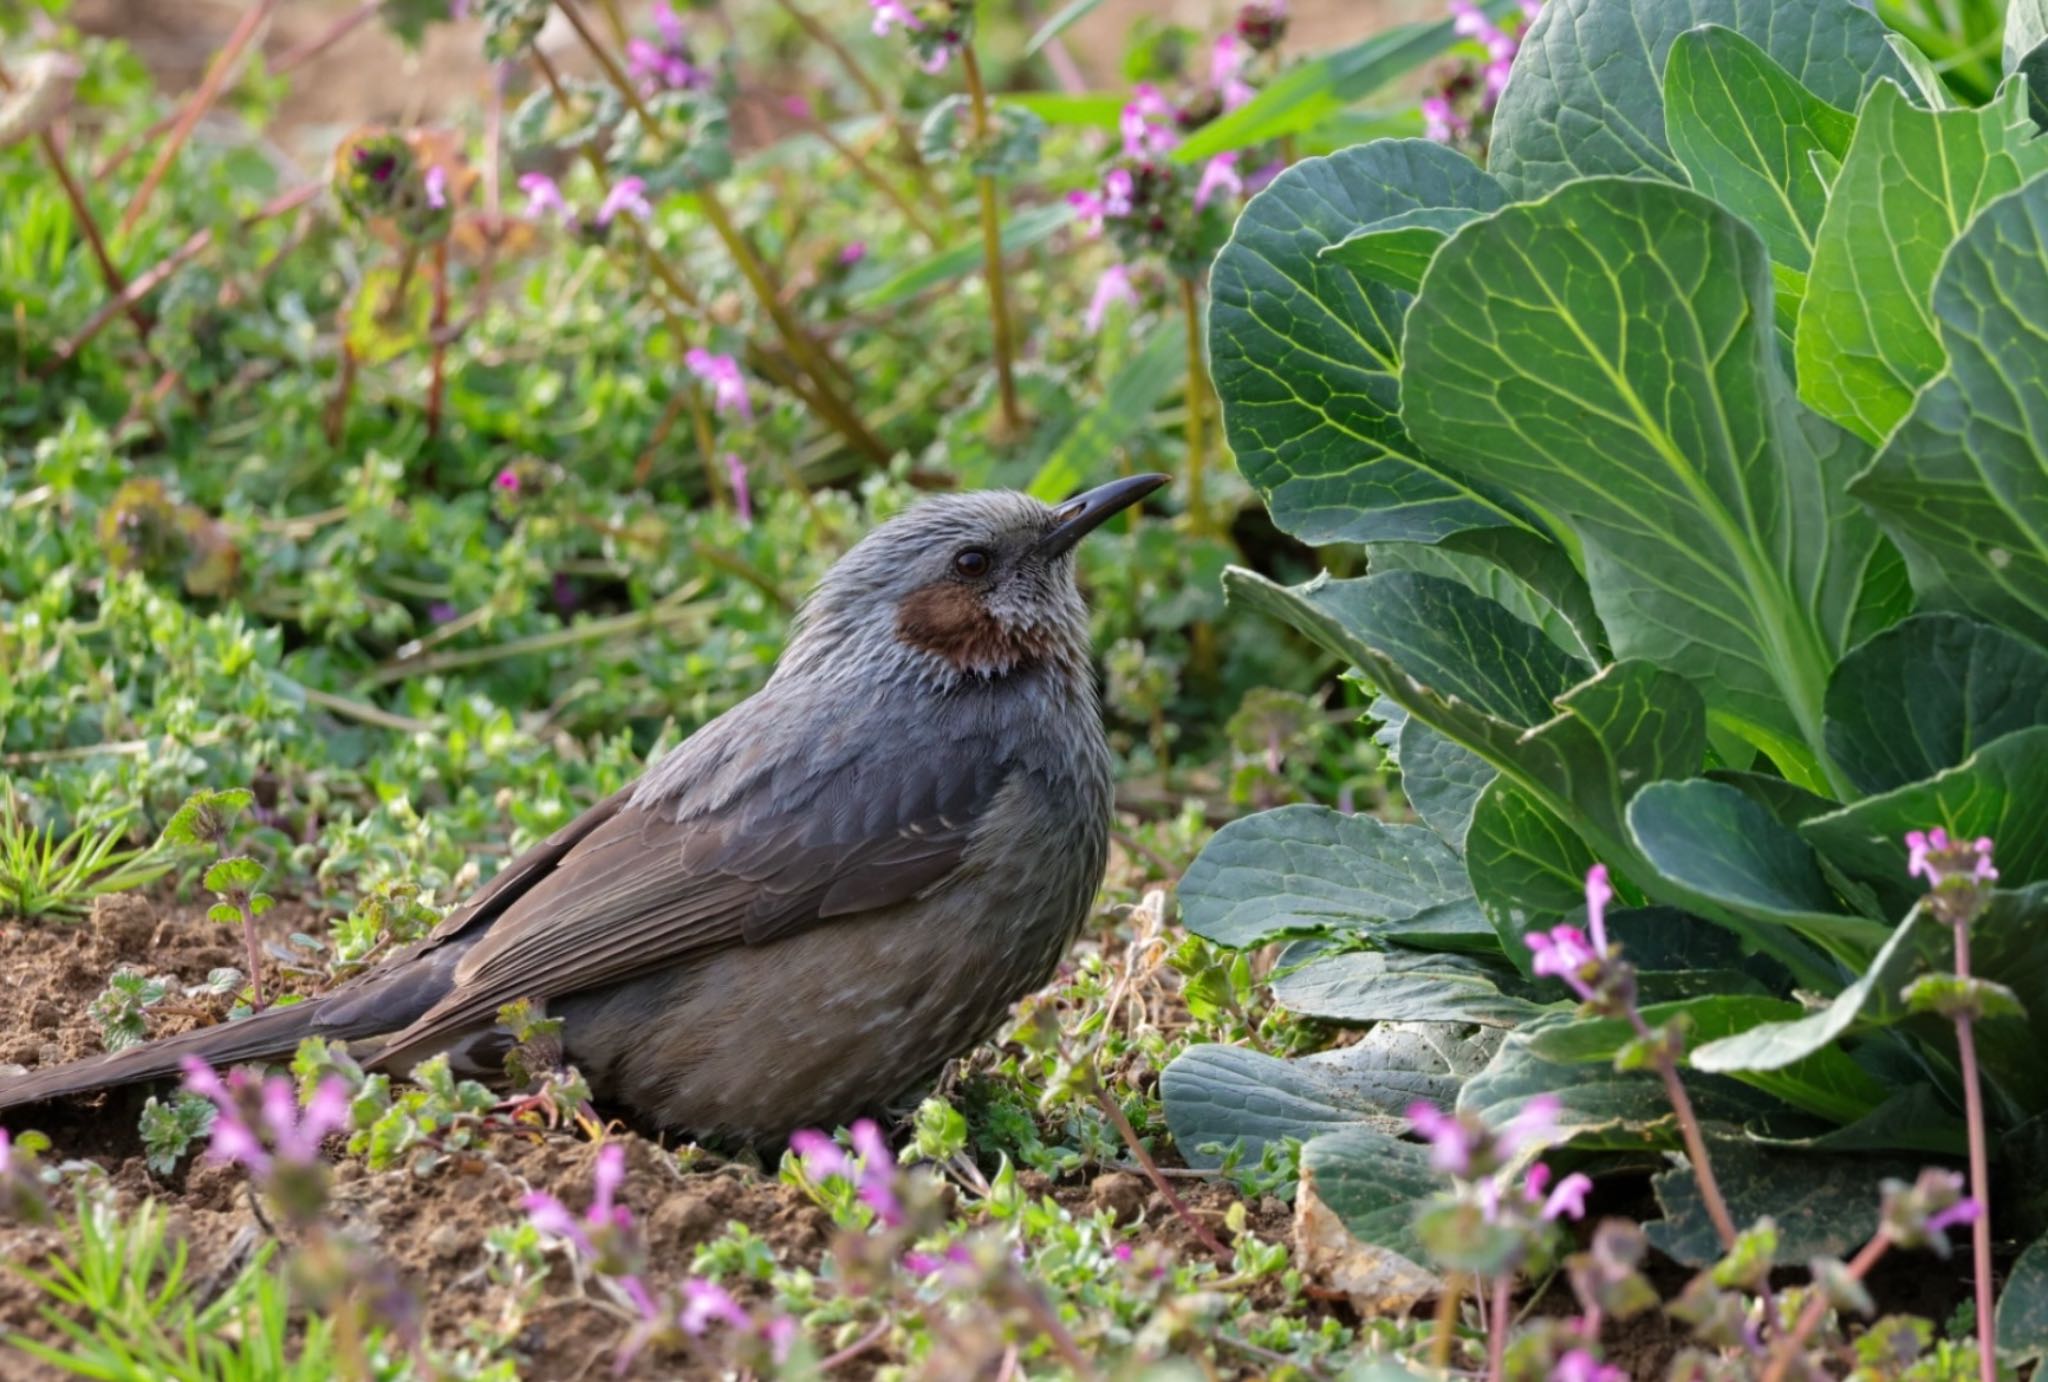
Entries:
{"x":950,"y":621}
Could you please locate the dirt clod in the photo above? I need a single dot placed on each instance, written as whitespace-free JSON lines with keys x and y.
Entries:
{"x":1119,"y":1192}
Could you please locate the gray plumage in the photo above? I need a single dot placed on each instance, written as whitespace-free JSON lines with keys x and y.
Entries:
{"x":817,"y":899}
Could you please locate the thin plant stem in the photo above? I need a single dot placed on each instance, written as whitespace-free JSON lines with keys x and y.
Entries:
{"x":873,"y":176}
{"x":196,"y":107}
{"x":831,"y":43}
{"x":1497,"y":1323}
{"x":1198,"y":380}
{"x":1129,"y":1134}
{"x":437,"y":370}
{"x":1790,"y":1347}
{"x":801,"y":347}
{"x":1980,"y":1170}
{"x":1689,"y":1129}
{"x":992,"y":249}
{"x":1446,"y":1332}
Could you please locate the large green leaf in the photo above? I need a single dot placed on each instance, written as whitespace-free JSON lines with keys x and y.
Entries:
{"x":1370,"y":1183}
{"x":1403,"y":986}
{"x":1827,"y":1083}
{"x":2023,"y":1306}
{"x":1442,"y":780}
{"x":1224,"y":1096}
{"x":1599,"y":1107}
{"x":1529,"y":576}
{"x":1606,"y":356}
{"x":1963,"y":484}
{"x":1397,"y":251}
{"x":1586,"y":96}
{"x":2026,"y":29}
{"x":1746,"y":132}
{"x":1712,"y":845}
{"x":1823,"y":1205}
{"x":2000,"y":791}
{"x":1306,"y":357}
{"x":1527,"y":866}
{"x":1926,"y":694}
{"x":1305,"y":870}
{"x":1871,"y":1001}
{"x":1911,"y":181}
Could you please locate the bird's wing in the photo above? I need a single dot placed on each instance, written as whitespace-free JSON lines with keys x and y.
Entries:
{"x":647,"y":885}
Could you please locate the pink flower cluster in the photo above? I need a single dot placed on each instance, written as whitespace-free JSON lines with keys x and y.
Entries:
{"x":283,"y":1134}
{"x":665,"y":66}
{"x":1567,"y":953}
{"x":606,"y":1237}
{"x":722,"y":373}
{"x":871,"y":1170}
{"x":1934,"y":856}
{"x":894,"y":14}
{"x":1466,"y":1148}
{"x":628,"y":196}
{"x":1470,"y":21}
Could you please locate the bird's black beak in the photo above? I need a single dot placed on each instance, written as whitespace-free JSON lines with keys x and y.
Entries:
{"x":1084,"y":513}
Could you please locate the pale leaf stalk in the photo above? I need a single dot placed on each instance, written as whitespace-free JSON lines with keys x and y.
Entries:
{"x":992,"y":248}
{"x":1792,"y":1345}
{"x":1497,"y":1325}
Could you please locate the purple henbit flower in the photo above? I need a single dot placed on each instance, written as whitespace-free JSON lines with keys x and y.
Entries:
{"x":507,"y":480}
{"x":1599,"y":892}
{"x":1581,"y":1366}
{"x":706,"y":1303}
{"x":1219,"y":174}
{"x":1454,"y":1143}
{"x":820,"y":1155}
{"x":1114,"y":286}
{"x":1147,"y":123}
{"x":437,"y":187}
{"x":722,"y":373}
{"x":628,"y":195}
{"x":671,"y":25}
{"x":877,"y":1174}
{"x":1441,"y":121}
{"x":891,"y":13}
{"x":1263,"y":23}
{"x":1227,"y":60}
{"x":852,"y":253}
{"x":544,"y":195}
{"x":1934,"y":856}
{"x":1563,"y":952}
{"x":1118,"y":188}
{"x":665,"y":66}
{"x":1531,"y":1127}
{"x":1088,"y":206}
{"x":742,"y":496}
{"x":1565,"y":1200}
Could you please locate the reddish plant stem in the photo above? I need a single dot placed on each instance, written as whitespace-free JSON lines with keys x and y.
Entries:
{"x":437,"y":370}
{"x":1980,"y":1171}
{"x":1789,"y":1349}
{"x":992,"y":251}
{"x":874,"y":178}
{"x":856,"y":1348}
{"x":1159,"y":1182}
{"x":327,"y":38}
{"x":196,"y":107}
{"x":1689,"y":1129}
{"x":344,"y":389}
{"x":146,"y":282}
{"x":53,"y":154}
{"x":1497,"y":1328}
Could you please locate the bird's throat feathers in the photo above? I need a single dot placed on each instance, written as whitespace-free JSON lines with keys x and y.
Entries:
{"x":953,"y":623}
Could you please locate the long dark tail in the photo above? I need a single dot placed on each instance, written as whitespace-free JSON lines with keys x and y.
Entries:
{"x":276,"y":1032}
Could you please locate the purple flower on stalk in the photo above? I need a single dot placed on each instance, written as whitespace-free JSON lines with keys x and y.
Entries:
{"x":544,"y":195}
{"x":722,"y":373}
{"x":1227,"y":59}
{"x":437,"y":187}
{"x":872,"y":1169}
{"x":628,"y":195}
{"x":1565,"y":1200}
{"x":1114,"y":286}
{"x":852,"y":253}
{"x":1146,"y":123}
{"x":1453,"y":1142}
{"x":1219,"y":174}
{"x":742,"y":497}
{"x":1441,"y":121}
{"x":1934,"y":856}
{"x":605,"y":1219}
{"x":1118,"y":187}
{"x":441,"y":611}
{"x":666,"y":65}
{"x":507,"y":480}
{"x":1563,"y":952}
{"x":1599,"y":892}
{"x":1963,"y":1211}
{"x":890,"y":13}
{"x":293,"y":1134}
{"x":705,"y":1303}
{"x":1529,"y":1128}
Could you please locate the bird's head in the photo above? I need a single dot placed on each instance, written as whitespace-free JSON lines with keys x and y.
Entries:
{"x":961,"y":588}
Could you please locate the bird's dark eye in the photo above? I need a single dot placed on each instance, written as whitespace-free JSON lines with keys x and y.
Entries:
{"x":972,"y":562}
